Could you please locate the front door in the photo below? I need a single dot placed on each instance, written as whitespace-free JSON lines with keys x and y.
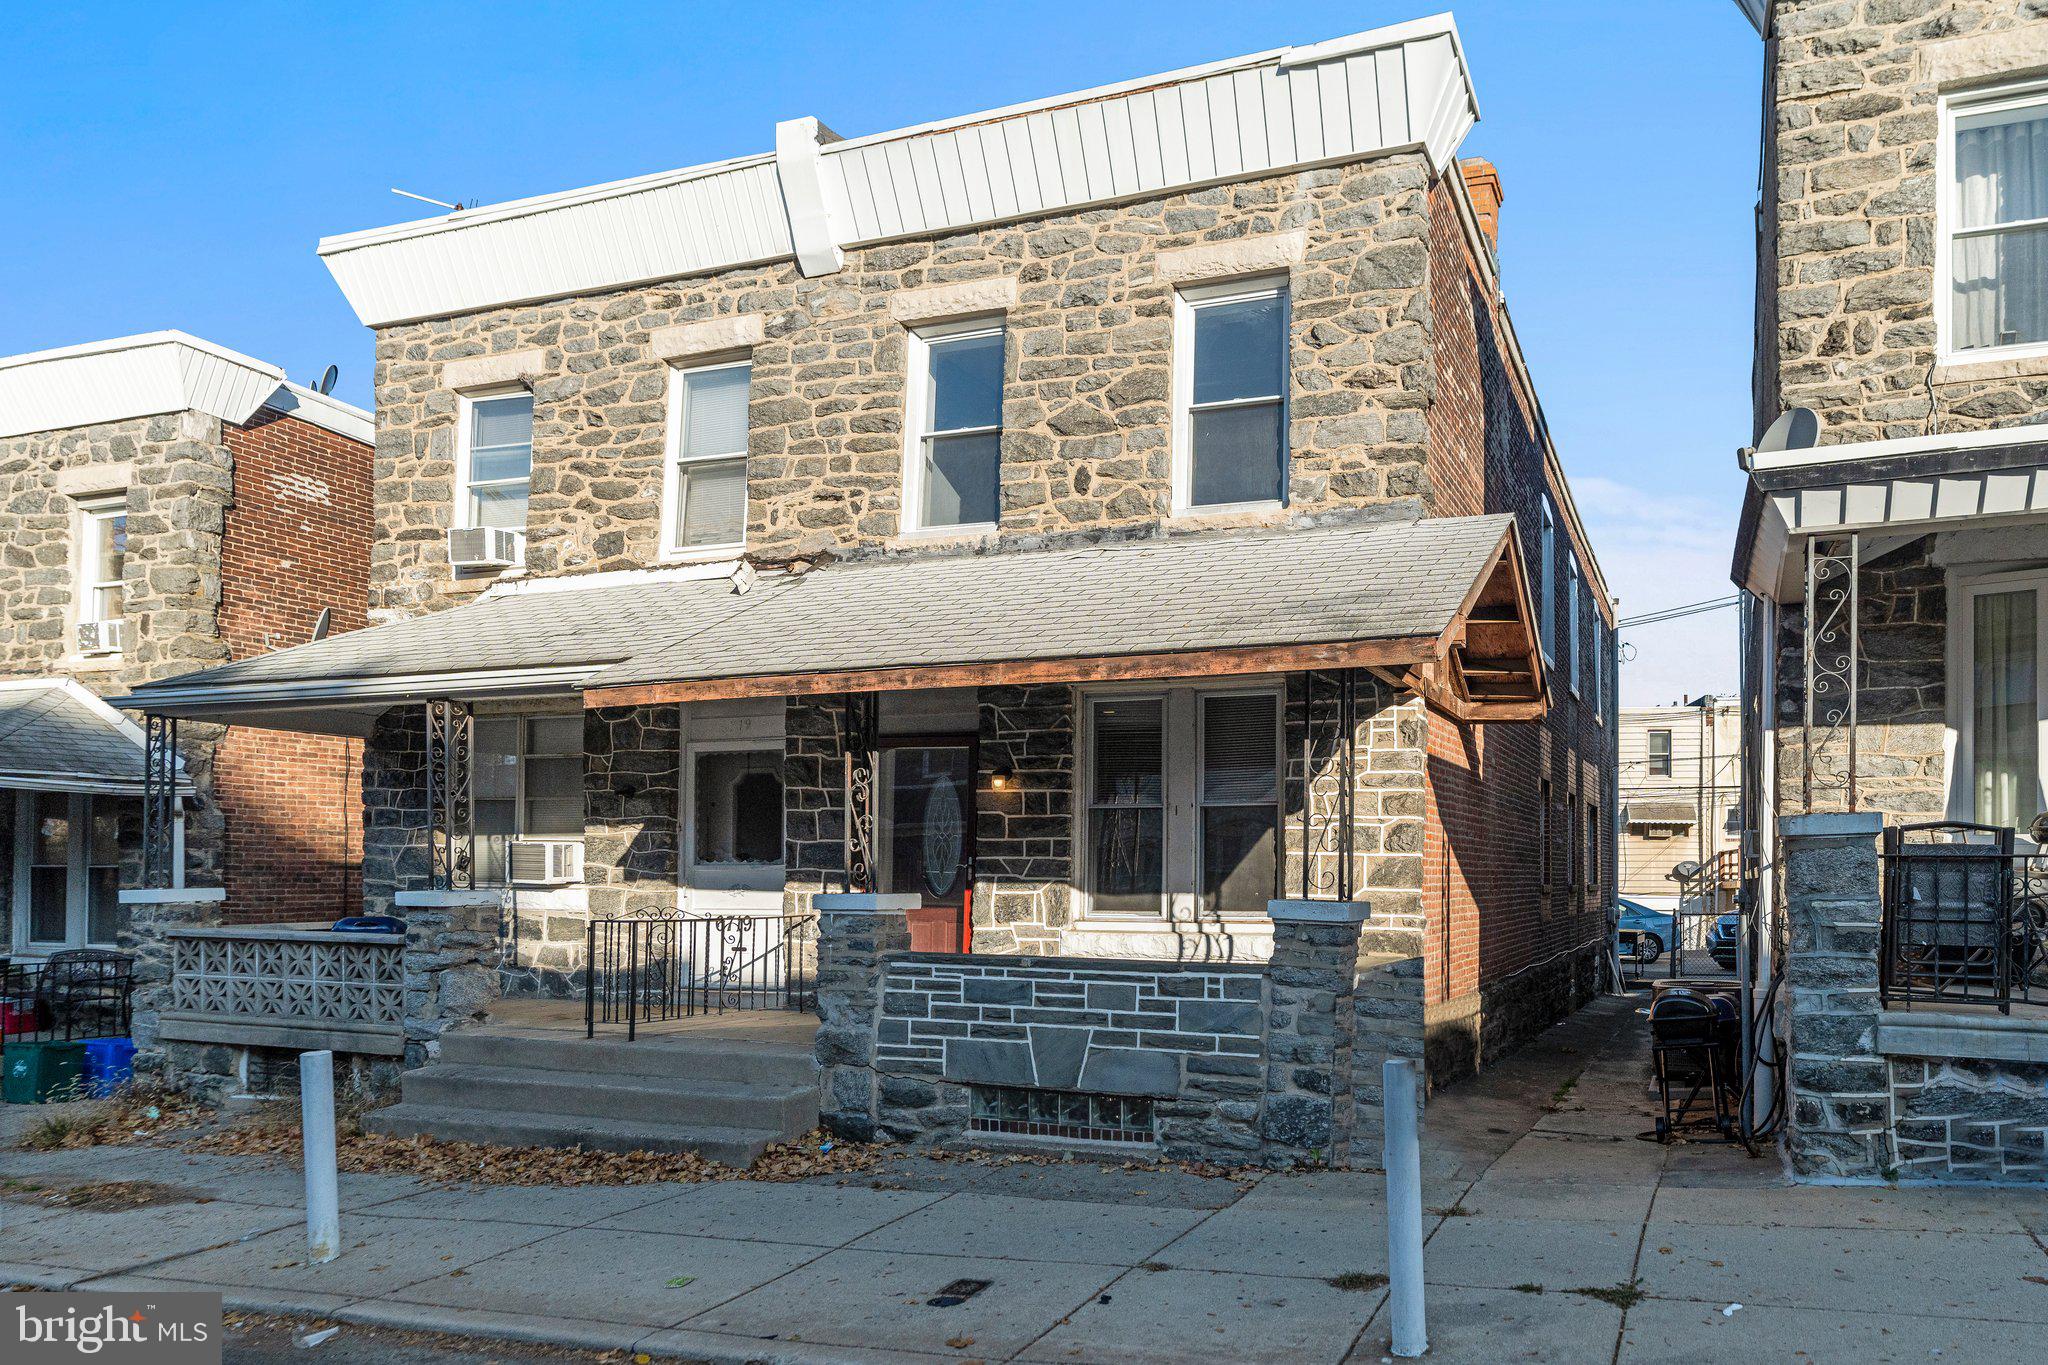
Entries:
{"x":927,"y":828}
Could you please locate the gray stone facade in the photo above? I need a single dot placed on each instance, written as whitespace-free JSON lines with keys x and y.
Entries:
{"x":1962,"y":1118}
{"x":1273,"y":1064}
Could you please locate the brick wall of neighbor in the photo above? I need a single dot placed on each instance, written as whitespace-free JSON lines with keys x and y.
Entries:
{"x":1506,"y":956}
{"x":295,"y":542}
{"x":1087,"y":378}
{"x":1851,"y":224}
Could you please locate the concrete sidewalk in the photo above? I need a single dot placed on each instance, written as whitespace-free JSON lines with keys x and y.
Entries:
{"x":1537,"y":1182}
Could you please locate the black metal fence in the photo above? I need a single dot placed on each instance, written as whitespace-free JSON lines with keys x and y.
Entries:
{"x":643,"y":971}
{"x":78,"y":993}
{"x":1965,"y":917}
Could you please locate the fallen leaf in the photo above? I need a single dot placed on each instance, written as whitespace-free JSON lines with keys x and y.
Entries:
{"x":959,"y":1343}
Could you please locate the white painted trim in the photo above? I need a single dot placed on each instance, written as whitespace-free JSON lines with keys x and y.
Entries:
{"x":323,"y":410}
{"x":861,"y":903}
{"x":733,"y":882}
{"x":917,"y":395}
{"x":673,"y":460}
{"x":1186,"y":301}
{"x":176,"y":895}
{"x":810,"y":197}
{"x":147,"y":375}
{"x":465,"y":422}
{"x":510,"y":683}
{"x":477,"y":898}
{"x":2025,"y":94}
{"x":1850,"y":451}
{"x":1959,"y":765}
{"x":1319,"y":912}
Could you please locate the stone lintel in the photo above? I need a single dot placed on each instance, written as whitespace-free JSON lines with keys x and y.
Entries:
{"x":174,"y":895}
{"x":1319,"y":912}
{"x":483,"y":371}
{"x":1979,"y":57}
{"x":864,"y":903}
{"x":711,"y":336}
{"x":940,"y":302}
{"x":94,"y":480}
{"x":1225,"y":260}
{"x":1832,"y":824}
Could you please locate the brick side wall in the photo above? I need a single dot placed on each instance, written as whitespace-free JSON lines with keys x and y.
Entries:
{"x":1504,"y":954}
{"x":295,"y":541}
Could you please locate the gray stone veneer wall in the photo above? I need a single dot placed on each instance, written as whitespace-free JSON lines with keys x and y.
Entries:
{"x":1024,"y":832}
{"x":632,"y":766}
{"x":1963,"y":1118}
{"x":394,"y":808}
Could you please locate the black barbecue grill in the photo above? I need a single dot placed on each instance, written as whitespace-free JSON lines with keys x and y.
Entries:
{"x":1696,"y":1043}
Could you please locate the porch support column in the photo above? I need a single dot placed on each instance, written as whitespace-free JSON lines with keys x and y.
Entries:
{"x":855,"y":933}
{"x":451,"y":964}
{"x":1828,"y":732}
{"x":1839,"y":1090}
{"x":1309,"y":1030}
{"x":151,"y":912}
{"x":451,"y":828}
{"x":859,"y":713}
{"x":160,"y":802}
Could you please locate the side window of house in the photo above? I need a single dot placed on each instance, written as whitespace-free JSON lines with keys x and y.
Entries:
{"x":1660,"y":753}
{"x":1183,"y":802}
{"x":526,"y":782}
{"x":102,"y":555}
{"x":1573,"y":621}
{"x":1546,"y":604}
{"x":707,"y":442}
{"x":953,"y":466}
{"x":67,"y":856}
{"x":1593,"y":850}
{"x":1998,"y":222}
{"x":1543,"y":829}
{"x":496,"y":460}
{"x":1230,"y":381}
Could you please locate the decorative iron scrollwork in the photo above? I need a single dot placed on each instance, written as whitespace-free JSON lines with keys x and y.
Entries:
{"x":451,"y":830}
{"x":858,"y":721}
{"x":1829,"y":730}
{"x":159,"y":801}
{"x":1329,"y":776}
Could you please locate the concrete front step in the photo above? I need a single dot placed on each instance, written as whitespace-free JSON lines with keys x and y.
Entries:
{"x":706,"y":1059}
{"x":730,"y":1146}
{"x":786,"y":1110}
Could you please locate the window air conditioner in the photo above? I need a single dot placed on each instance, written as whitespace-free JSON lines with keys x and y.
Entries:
{"x":485,"y":547}
{"x":102,"y":637}
{"x":546,"y":862}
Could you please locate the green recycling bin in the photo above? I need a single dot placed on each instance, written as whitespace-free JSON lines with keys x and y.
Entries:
{"x":39,"y":1072}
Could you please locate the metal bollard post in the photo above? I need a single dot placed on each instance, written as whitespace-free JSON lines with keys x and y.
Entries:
{"x":1401,"y":1091}
{"x":316,"y":1121}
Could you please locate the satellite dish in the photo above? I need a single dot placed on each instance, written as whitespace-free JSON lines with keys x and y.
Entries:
{"x":327,"y":378}
{"x":1795,"y":429}
{"x":1685,"y":871}
{"x":326,"y":617}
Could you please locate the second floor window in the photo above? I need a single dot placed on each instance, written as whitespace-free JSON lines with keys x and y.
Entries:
{"x":1660,"y":753}
{"x":1230,"y":419}
{"x":497,"y":460}
{"x":708,"y":452}
{"x":1998,"y":264}
{"x":952,"y":470}
{"x":103,"y":553}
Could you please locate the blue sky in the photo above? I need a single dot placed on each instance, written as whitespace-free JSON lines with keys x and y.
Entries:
{"x":173,"y":166}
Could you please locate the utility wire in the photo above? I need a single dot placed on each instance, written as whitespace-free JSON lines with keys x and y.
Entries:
{"x":1673,"y":613}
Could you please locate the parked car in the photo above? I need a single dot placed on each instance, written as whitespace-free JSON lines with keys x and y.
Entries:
{"x":1721,"y":941}
{"x":1650,"y":930}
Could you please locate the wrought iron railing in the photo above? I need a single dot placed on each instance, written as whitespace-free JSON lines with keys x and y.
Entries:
{"x":1965,"y":917}
{"x":646,"y":970}
{"x":82,"y":993}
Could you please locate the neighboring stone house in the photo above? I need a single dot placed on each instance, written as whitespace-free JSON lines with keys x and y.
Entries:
{"x":168,"y":504}
{"x":1895,"y":556}
{"x":1680,"y":784}
{"x":1079,"y":492}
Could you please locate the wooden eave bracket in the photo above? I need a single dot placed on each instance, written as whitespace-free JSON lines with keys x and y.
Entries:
{"x":1488,"y":664}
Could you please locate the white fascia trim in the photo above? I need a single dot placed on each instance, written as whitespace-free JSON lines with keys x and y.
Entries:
{"x":308,"y":405}
{"x":694,"y":571}
{"x":539,"y":203}
{"x":109,"y":381}
{"x":501,"y":682}
{"x":137,"y":342}
{"x":1758,"y":12}
{"x":817,"y":220}
{"x":1850,"y":451}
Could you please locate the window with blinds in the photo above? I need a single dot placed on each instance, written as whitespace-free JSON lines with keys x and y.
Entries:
{"x":1997,"y":213}
{"x":498,"y":461}
{"x":1240,"y":806}
{"x":1127,"y":805}
{"x":956,"y":398}
{"x":708,"y":467}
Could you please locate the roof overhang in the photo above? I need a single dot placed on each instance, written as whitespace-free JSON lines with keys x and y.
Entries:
{"x":1902,"y":487}
{"x":351,"y":706}
{"x":151,"y":374}
{"x":1400,"y":87}
{"x":58,"y":736}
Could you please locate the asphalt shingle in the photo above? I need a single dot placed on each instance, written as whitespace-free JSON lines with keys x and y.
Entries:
{"x":48,"y":731}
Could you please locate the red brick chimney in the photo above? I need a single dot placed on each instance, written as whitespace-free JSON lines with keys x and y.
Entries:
{"x":1482,"y":182}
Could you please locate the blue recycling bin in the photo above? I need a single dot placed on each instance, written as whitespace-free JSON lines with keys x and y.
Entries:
{"x":109,"y":1065}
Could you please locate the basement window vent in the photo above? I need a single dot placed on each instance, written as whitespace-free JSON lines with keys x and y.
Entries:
{"x":1059,"y":1114}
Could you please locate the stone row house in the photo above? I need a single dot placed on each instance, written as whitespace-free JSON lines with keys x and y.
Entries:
{"x":167,"y":504}
{"x":1085,"y":524}
{"x":1893,"y":550}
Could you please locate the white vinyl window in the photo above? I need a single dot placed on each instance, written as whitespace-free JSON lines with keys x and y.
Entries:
{"x":1546,"y":605}
{"x":1658,"y":749}
{"x":1230,"y":397}
{"x":1574,"y":618}
{"x":1998,"y":627}
{"x":495,"y":459}
{"x":67,"y":870}
{"x":1182,"y":802}
{"x":1994,"y":215}
{"x":706,"y":487}
{"x":952,"y":463}
{"x":526,"y":782}
{"x":102,"y":553}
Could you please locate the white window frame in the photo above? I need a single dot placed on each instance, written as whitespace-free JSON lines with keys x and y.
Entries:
{"x":673,"y":461}
{"x":717,"y":877}
{"x":1186,"y":302}
{"x":1546,"y":631}
{"x":917,"y":404}
{"x":1575,"y":618}
{"x":77,"y":872}
{"x":519,"y":721}
{"x":1182,"y":716}
{"x":1947,"y":215}
{"x":465,"y":423}
{"x":1650,"y":752}
{"x":1962,"y":712}
{"x":94,"y":518}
